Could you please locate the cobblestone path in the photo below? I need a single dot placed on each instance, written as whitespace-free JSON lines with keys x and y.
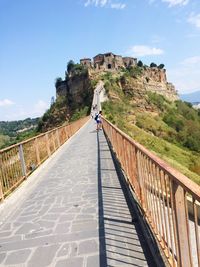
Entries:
{"x":76,"y":215}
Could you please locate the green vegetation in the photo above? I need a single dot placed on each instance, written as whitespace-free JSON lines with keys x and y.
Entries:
{"x":58,"y":81}
{"x":133,"y":71}
{"x":140,"y":63}
{"x":55,"y":116}
{"x":153,"y":65}
{"x":182,"y":120}
{"x":78,"y":114}
{"x":171,"y":129}
{"x":76,"y":69}
{"x":12,"y":132}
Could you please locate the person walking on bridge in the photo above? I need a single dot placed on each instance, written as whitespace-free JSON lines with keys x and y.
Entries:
{"x":98,"y":119}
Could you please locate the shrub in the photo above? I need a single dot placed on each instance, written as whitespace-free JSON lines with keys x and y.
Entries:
{"x":153,"y":65}
{"x":140,"y":64}
{"x":161,"y":66}
{"x":70,"y":66}
{"x":58,"y":81}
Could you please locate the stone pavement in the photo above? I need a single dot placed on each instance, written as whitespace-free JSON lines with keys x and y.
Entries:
{"x":76,"y":215}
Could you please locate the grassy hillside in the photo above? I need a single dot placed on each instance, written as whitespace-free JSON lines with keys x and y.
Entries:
{"x":12,"y":132}
{"x":169,"y":129}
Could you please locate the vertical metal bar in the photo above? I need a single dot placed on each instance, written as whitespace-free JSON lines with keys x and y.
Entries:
{"x":47,"y":143}
{"x":160,"y":207}
{"x":148,"y":190}
{"x":196,"y":230}
{"x":156,"y":201}
{"x":164,"y":195}
{"x":174,"y":220}
{"x":21,"y":156}
{"x":188,"y":227}
{"x":169,"y":219}
{"x":57,"y":135}
{"x":1,"y":180}
{"x":37,"y":151}
{"x":138,"y":162}
{"x":66,"y":134}
{"x":181,"y":225}
{"x":4,"y":172}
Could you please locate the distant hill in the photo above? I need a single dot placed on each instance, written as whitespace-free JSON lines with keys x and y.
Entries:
{"x":11,"y":128}
{"x":192,"y":97}
{"x":16,"y":131}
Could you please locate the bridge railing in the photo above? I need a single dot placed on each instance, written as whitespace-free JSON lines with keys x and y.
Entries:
{"x":18,"y":161}
{"x":169,"y":201}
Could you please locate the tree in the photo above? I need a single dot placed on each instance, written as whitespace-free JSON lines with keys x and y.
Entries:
{"x":70,"y":66}
{"x":58,"y":81}
{"x":140,"y":64}
{"x":153,"y":65}
{"x":52,"y":100}
{"x":161,"y":66}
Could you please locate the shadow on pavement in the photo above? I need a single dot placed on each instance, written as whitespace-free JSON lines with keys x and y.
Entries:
{"x":121,"y":240}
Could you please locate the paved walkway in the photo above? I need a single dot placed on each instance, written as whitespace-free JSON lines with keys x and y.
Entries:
{"x":76,"y":214}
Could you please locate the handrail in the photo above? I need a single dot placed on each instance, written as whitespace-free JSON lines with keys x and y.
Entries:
{"x":164,"y":195}
{"x":18,"y":161}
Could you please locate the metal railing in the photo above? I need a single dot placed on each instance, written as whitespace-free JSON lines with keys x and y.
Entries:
{"x":169,"y":201}
{"x":18,"y":161}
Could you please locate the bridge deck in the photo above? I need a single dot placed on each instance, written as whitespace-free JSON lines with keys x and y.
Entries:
{"x":76,"y":214}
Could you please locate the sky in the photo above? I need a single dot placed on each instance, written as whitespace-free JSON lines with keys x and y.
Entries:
{"x":39,"y":37}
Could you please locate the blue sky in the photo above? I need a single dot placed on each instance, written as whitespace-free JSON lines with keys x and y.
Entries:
{"x":39,"y":37}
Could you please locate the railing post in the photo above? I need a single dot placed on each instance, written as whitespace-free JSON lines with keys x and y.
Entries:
{"x":1,"y":191}
{"x":57,"y":135}
{"x":139,"y":178}
{"x":48,"y":146}
{"x":1,"y":186}
{"x":37,"y":151}
{"x":66,"y":134}
{"x":21,"y":157}
{"x":181,"y":225}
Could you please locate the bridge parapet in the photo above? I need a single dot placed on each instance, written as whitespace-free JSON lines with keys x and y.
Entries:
{"x":17,"y":162}
{"x":169,"y":201}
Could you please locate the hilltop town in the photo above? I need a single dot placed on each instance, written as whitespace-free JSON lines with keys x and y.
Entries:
{"x":152,"y":78}
{"x":109,"y":61}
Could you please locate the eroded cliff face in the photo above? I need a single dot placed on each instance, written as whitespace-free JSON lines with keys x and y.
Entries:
{"x":77,"y":90}
{"x":151,"y":79}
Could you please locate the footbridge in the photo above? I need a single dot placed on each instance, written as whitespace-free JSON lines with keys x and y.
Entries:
{"x":77,"y":197}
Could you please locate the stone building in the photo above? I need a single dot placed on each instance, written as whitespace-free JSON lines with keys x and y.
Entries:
{"x":98,"y":61}
{"x":86,"y":62}
{"x":109,"y":61}
{"x":129,"y":61}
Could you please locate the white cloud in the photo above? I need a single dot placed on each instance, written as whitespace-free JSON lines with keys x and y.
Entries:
{"x":143,"y":50}
{"x":100,"y":3}
{"x":6,"y":102}
{"x":118,"y":6}
{"x":176,"y":2}
{"x":105,"y":3}
{"x":186,"y":76}
{"x":188,"y":62}
{"x":40,"y":107}
{"x":20,"y":112}
{"x":194,"y":19}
